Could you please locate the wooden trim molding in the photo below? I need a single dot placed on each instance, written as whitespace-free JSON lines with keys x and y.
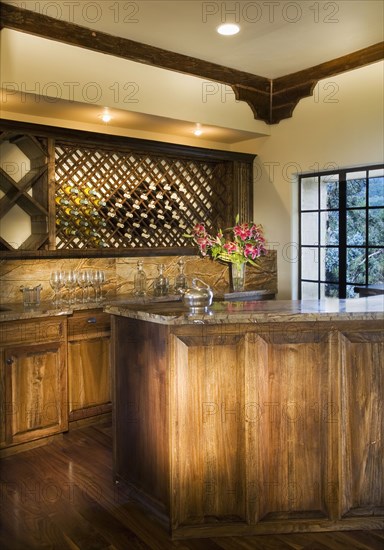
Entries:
{"x":8,"y":128}
{"x":271,"y":100}
{"x":288,"y":90}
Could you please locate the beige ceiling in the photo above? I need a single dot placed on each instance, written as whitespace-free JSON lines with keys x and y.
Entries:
{"x":277,"y":37}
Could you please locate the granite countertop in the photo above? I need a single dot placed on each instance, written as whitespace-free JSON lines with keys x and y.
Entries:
{"x":171,"y":311}
{"x":17,"y":311}
{"x":175,"y":313}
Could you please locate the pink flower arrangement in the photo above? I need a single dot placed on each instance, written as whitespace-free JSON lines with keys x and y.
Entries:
{"x":240,"y":244}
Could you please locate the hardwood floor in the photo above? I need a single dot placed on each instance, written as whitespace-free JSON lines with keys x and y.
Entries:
{"x":61,"y":496}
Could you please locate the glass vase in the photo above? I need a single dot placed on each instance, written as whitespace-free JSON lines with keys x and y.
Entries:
{"x":238,"y":277}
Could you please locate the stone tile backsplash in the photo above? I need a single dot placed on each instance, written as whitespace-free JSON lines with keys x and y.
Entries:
{"x":120,"y":274}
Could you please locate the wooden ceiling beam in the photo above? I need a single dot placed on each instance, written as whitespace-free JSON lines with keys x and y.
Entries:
{"x":30,"y":22}
{"x":330,"y":68}
{"x":270,"y":100}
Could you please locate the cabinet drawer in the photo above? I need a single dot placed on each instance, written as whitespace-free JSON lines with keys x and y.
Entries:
{"x":32,"y":331}
{"x":89,"y":323}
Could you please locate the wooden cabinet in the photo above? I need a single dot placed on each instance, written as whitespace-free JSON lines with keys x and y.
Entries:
{"x":38,"y":393}
{"x":88,"y":364}
{"x":33,"y":380}
{"x":251,"y":428}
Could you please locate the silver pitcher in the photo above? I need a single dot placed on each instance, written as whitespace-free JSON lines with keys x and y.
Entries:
{"x":199,"y":297}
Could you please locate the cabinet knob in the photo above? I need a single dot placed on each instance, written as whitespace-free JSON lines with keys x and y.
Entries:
{"x":91,"y":320}
{"x":9,"y":361}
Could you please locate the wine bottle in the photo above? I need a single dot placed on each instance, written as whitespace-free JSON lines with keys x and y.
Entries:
{"x":90,"y":212}
{"x":91,"y":233}
{"x":140,"y":280}
{"x":70,"y":231}
{"x":99,"y":202}
{"x":69,"y":189}
{"x":99,"y":222}
{"x":90,"y":192}
{"x":71,"y":212}
{"x":79,"y":201}
{"x":61,"y":223}
{"x":100,"y":243}
{"x":62,"y":201}
{"x":81,"y":223}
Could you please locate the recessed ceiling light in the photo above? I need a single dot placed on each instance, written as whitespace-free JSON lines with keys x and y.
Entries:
{"x":106,"y":116}
{"x":198,"y":131}
{"x":228,"y":29}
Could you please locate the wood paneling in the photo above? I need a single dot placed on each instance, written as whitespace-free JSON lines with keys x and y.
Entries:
{"x":141,"y":402}
{"x":290,"y":415}
{"x":31,"y":331}
{"x":90,"y":323}
{"x":89,"y":370}
{"x":35,"y":385}
{"x":256,"y":429}
{"x":362,"y":467}
{"x":33,"y":373}
{"x":209,"y":440}
{"x":89,"y":382}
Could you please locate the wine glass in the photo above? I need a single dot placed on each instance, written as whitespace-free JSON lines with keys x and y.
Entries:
{"x":57,"y":282}
{"x":97,"y":279}
{"x":83,"y":282}
{"x":70,"y":281}
{"x":102,"y":282}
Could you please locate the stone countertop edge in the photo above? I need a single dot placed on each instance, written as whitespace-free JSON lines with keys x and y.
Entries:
{"x":18,"y":312}
{"x":358,"y":309}
{"x":169,"y":310}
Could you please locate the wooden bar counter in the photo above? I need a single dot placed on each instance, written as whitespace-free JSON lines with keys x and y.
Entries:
{"x":253,"y":418}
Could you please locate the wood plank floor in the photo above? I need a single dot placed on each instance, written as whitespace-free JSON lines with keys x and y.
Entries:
{"x":61,"y":496}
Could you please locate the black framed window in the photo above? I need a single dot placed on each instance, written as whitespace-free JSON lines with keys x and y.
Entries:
{"x":341,"y":231}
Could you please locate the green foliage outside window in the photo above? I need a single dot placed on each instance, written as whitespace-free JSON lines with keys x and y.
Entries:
{"x":350,"y":214}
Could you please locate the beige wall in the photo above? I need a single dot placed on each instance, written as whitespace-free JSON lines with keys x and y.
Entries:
{"x":57,"y":73}
{"x":341,"y":125}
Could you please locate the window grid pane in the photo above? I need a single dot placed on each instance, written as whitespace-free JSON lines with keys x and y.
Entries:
{"x":341,"y":231}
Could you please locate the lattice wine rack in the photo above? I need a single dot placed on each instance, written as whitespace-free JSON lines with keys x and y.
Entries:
{"x":81,"y":191}
{"x":23,"y":189}
{"x":109,"y":199}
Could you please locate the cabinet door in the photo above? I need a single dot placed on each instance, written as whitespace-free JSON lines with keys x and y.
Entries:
{"x":35,"y":392}
{"x":89,"y":377}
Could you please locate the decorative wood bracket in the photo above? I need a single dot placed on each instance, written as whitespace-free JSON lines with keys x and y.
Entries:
{"x":271,"y":100}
